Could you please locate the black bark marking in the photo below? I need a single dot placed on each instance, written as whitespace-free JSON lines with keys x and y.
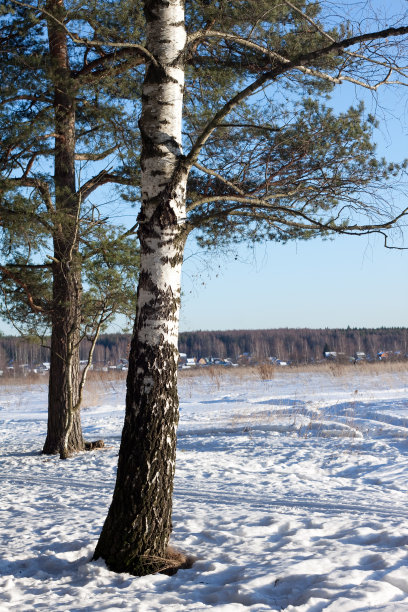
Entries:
{"x":135,"y":535}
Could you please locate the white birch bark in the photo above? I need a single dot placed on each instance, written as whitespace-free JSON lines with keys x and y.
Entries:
{"x":163,"y":196}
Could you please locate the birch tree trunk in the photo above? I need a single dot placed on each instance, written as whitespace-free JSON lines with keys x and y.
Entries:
{"x":64,"y":433}
{"x":135,"y":535}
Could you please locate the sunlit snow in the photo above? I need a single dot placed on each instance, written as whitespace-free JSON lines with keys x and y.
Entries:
{"x":291,"y":493}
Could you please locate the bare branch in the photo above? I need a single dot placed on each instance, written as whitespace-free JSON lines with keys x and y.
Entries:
{"x":351,"y":54}
{"x":251,"y":204}
{"x":95,"y":156}
{"x":130,"y":232}
{"x":85,"y":371}
{"x":103,"y":178}
{"x":251,"y":126}
{"x":219,"y":177}
{"x":203,"y":35}
{"x":245,"y":199}
{"x":309,"y":20}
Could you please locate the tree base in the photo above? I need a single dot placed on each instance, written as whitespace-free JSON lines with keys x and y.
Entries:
{"x":90,"y":446}
{"x":169,"y":564}
{"x":176,"y":560}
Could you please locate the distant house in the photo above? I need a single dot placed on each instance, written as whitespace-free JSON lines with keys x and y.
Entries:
{"x":123,"y":364}
{"x":187,"y":363}
{"x":39,"y":368}
{"x":229,"y":362}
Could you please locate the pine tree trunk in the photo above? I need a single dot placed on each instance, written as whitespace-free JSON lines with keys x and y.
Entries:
{"x":64,"y":434}
{"x":136,"y":532}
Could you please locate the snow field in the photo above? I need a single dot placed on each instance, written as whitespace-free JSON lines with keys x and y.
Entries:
{"x":291,"y":493}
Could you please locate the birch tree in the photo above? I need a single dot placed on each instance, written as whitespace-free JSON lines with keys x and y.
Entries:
{"x":231,"y":149}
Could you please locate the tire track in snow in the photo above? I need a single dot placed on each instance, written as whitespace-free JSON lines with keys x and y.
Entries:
{"x":239,"y":499}
{"x":325,"y":506}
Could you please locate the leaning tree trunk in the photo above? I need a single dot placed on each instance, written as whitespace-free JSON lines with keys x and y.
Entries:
{"x":64,"y":434}
{"x":136,"y":532}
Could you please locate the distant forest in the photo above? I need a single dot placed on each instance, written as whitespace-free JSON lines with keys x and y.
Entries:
{"x":297,"y":345}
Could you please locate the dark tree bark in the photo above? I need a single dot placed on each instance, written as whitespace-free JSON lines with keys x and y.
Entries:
{"x":64,"y":433}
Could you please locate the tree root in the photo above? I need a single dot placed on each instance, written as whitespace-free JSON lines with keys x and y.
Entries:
{"x":90,"y":446}
{"x":174,"y":561}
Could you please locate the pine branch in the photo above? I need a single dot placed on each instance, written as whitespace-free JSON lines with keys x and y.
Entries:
{"x":88,"y":74}
{"x":33,"y":266}
{"x":95,"y":156}
{"x":87,"y":42}
{"x":40,"y":186}
{"x":30,"y":300}
{"x":285,"y":65}
{"x":103,"y":178}
{"x":254,"y":203}
{"x":28,"y":98}
{"x":220,"y":178}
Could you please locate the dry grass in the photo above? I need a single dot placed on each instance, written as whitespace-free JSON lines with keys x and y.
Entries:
{"x":30,"y":379}
{"x":336,"y":368}
{"x":266,"y":370}
{"x":169,"y":564}
{"x":218,"y":374}
{"x":100,"y":384}
{"x":109,"y":376}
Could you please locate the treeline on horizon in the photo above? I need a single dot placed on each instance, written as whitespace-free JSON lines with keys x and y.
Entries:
{"x":297,"y":345}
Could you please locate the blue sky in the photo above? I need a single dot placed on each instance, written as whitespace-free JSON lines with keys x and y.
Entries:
{"x":349,"y":281}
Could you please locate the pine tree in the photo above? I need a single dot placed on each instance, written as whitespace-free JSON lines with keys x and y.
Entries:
{"x":232,"y":148}
{"x":66,"y":128}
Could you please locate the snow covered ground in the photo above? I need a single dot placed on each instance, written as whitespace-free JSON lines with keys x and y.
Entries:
{"x":290,"y":492}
